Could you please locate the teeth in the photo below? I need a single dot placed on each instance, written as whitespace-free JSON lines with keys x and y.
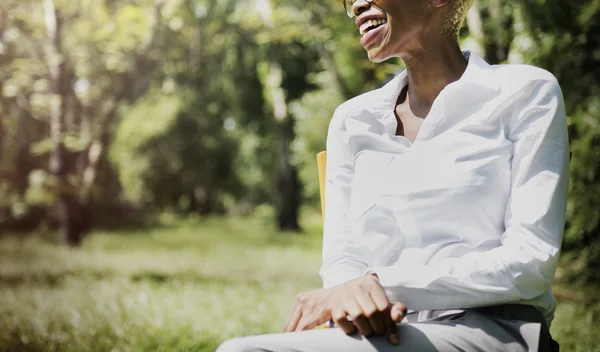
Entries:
{"x":370,"y":23}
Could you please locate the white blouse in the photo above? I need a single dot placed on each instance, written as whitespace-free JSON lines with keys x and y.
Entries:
{"x":470,"y":214}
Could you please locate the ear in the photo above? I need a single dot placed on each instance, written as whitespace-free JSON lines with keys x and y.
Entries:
{"x":439,"y":3}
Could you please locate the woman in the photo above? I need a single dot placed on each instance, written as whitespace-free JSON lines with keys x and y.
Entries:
{"x":446,"y":193}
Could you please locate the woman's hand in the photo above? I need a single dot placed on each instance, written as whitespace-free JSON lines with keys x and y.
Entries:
{"x":310,"y":310}
{"x":363,"y":300}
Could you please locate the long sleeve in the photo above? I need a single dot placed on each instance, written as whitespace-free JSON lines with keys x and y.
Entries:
{"x":342,"y":257}
{"x":522,"y":267}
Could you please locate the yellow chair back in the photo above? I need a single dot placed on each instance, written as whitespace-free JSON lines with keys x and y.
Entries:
{"x":321,"y":167}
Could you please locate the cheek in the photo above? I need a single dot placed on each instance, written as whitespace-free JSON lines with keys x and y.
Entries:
{"x":405,"y":30}
{"x":405,"y":14}
{"x":396,"y":40}
{"x":384,"y":51}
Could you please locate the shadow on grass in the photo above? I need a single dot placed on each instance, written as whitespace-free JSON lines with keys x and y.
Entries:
{"x":25,"y":340}
{"x":160,"y":278}
{"x":53,"y":279}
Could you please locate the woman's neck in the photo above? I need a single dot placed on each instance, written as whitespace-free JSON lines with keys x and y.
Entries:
{"x":429,"y":71}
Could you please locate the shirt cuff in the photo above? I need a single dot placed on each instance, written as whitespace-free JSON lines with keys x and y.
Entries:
{"x":409,"y":287}
{"x":337,"y":276}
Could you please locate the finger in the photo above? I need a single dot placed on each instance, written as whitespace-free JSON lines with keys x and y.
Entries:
{"x":295,"y":317}
{"x":377,"y":321}
{"x":363,"y":325}
{"x":290,"y":316}
{"x":306,"y":324}
{"x":392,"y":330}
{"x":309,"y":321}
{"x":372,"y":313}
{"x":358,"y":316}
{"x":379,"y":298}
{"x":340,"y":319}
{"x":398,"y":312}
{"x":346,"y":326}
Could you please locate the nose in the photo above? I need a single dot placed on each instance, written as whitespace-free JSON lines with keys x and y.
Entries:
{"x":361,"y":6}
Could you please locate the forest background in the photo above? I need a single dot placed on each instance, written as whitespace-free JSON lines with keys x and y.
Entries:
{"x":163,"y":151}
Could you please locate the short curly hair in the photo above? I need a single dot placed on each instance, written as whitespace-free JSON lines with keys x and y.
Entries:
{"x":458,"y":12}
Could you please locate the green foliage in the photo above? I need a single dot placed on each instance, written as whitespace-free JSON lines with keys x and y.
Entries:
{"x":170,"y":133}
{"x":145,"y":122}
{"x":103,"y":44}
{"x":312,"y":114}
{"x":201,"y":140}
{"x":571,"y":27}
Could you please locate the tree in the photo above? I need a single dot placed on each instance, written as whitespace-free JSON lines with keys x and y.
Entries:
{"x":75,"y":170}
{"x":68,"y":207}
{"x":61,"y":103}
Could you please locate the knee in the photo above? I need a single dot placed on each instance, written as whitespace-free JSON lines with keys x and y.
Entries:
{"x":236,"y":345}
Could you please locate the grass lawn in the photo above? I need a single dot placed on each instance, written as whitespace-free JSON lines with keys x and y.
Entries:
{"x":184,"y":286}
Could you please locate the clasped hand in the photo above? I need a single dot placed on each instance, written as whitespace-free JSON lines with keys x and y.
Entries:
{"x":363,"y":300}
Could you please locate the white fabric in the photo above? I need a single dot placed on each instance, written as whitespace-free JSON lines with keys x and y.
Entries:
{"x":470,"y":214}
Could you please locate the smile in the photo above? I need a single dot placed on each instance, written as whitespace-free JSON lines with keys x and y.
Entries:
{"x":371,"y":25}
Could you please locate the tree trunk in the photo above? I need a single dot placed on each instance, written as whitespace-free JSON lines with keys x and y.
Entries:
{"x":287,"y":197}
{"x":3,"y":102}
{"x":3,"y":117}
{"x":498,"y":46}
{"x":287,"y":185}
{"x":89,"y":170}
{"x":1,"y":133}
{"x":22,"y":164}
{"x":68,"y":205}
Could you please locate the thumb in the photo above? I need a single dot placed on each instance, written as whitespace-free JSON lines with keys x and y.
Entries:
{"x":392,"y":331}
{"x":398,"y":312}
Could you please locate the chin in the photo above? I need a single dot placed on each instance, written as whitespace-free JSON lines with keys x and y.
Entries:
{"x":376,"y":59}
{"x":377,"y":56}
{"x":381,"y":51}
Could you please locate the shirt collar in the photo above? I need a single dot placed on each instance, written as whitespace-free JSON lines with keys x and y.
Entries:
{"x":478,"y":72}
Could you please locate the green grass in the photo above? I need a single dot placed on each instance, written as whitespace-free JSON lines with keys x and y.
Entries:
{"x":185,"y":286}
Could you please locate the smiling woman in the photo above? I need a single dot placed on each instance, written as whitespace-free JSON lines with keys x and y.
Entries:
{"x":445,"y":199}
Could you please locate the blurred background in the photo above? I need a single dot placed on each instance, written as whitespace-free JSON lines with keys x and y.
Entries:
{"x":158,"y":183}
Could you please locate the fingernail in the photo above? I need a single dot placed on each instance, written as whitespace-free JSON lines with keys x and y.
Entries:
{"x":393,"y":339}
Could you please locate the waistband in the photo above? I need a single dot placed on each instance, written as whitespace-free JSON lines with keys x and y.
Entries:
{"x":507,"y":311}
{"x":526,"y":313}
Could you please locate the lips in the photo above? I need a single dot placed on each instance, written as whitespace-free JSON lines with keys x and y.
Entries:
{"x":370,"y":36}
{"x":370,"y":24}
